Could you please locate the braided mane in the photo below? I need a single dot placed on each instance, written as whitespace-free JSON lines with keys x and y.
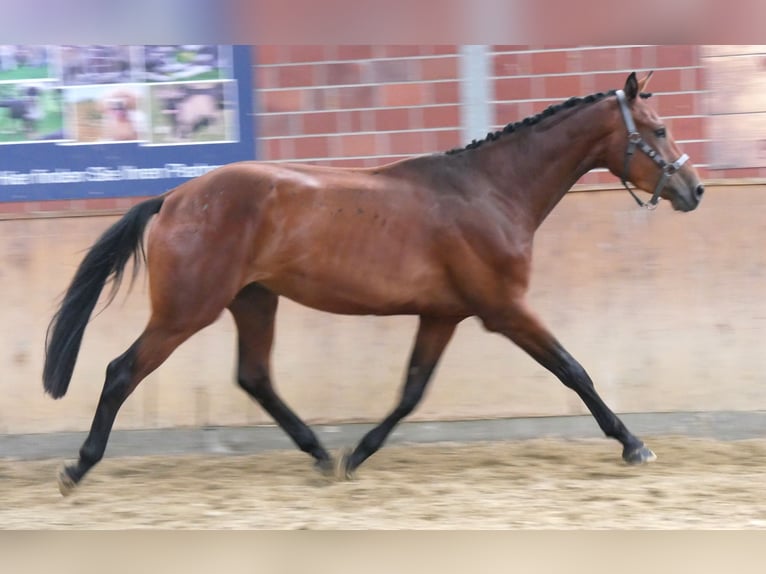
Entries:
{"x":532,"y":120}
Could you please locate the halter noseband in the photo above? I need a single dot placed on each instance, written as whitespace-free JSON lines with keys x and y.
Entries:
{"x":636,"y":141}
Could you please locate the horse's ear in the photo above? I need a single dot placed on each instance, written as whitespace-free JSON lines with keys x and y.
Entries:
{"x":631,"y":87}
{"x":644,"y":81}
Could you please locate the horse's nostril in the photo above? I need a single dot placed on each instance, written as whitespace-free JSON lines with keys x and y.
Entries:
{"x":698,"y":191}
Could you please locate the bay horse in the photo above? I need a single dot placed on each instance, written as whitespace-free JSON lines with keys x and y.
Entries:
{"x":444,"y":236}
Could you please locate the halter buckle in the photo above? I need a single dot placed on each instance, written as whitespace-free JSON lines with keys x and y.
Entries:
{"x":650,"y":205}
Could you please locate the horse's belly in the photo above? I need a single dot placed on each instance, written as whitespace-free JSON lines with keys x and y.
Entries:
{"x":369,"y":295}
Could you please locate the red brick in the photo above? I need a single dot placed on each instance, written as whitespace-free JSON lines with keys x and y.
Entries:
{"x":356,"y":121}
{"x":506,"y":112}
{"x":401,"y":51}
{"x":445,"y":93}
{"x":676,"y":56}
{"x":368,"y":120}
{"x":402,"y":95}
{"x":440,"y":50}
{"x":439,"y":69}
{"x":535,"y":107}
{"x":296,"y":76}
{"x":282,"y":101}
{"x":345,"y":73}
{"x":549,"y":62}
{"x":665,"y":81}
{"x":701,"y":78}
{"x":511,"y":64}
{"x":574,"y":61}
{"x":510,"y":89}
{"x":354,"y":52}
{"x":265,"y":77}
{"x":343,"y":162}
{"x":674,"y":104}
{"x":742,"y":173}
{"x":562,"y":87}
{"x":358,"y":97}
{"x":269,"y":54}
{"x":358,"y":144}
{"x":320,"y":123}
{"x":642,"y":57}
{"x":686,"y":128}
{"x":305,"y":53}
{"x":507,"y":47}
{"x":268,"y":149}
{"x":311,"y":147}
{"x":285,"y":149}
{"x":603,"y":59}
{"x":447,"y":140}
{"x":604,"y":82}
{"x":392,"y":119}
{"x":344,"y":98}
{"x":407,"y":143}
{"x":387,"y":71}
{"x":697,"y":151}
{"x":441,"y":117}
{"x":275,"y":125}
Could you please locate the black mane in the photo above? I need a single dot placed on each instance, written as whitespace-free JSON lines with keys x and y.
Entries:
{"x":532,"y":120}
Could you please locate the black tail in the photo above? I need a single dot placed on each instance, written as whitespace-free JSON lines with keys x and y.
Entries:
{"x":107,"y":258}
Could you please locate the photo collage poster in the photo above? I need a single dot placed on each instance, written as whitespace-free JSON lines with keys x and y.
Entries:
{"x":136,"y":98}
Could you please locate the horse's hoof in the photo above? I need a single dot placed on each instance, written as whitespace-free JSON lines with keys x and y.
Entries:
{"x":325,"y":467}
{"x":639,"y":455}
{"x":342,"y":471}
{"x":66,"y":483}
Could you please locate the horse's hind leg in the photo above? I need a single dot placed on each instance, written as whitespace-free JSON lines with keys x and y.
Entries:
{"x":123,"y":375}
{"x":430,"y":342}
{"x":254,"y":309}
{"x":521,"y":326}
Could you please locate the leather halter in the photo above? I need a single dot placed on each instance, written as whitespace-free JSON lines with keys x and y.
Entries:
{"x":636,"y":141}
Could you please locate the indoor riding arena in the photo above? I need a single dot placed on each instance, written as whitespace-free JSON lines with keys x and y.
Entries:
{"x":663,"y":309}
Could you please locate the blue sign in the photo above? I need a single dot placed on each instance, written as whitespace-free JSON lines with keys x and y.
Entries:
{"x":81,"y":122}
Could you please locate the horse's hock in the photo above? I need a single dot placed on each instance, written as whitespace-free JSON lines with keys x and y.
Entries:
{"x":663,"y":313}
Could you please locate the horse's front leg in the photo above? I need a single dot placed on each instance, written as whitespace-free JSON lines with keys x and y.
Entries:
{"x":520,"y":325}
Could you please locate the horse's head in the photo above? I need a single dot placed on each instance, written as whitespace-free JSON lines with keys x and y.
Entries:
{"x":642,"y":151}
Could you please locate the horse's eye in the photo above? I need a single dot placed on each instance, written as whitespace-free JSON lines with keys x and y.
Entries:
{"x":660,"y":132}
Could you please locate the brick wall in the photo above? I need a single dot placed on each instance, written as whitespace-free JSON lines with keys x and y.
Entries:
{"x":365,"y":105}
{"x":356,"y":105}
{"x":528,"y":79}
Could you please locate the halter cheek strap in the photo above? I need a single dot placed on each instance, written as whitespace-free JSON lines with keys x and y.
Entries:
{"x":636,"y":141}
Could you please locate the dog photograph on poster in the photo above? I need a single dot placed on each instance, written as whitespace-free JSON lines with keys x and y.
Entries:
{"x":104,"y":114}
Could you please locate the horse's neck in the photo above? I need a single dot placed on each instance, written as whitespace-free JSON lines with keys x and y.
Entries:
{"x":537,"y":165}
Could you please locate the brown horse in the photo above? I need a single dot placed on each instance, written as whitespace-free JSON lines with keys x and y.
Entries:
{"x":444,"y":236}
